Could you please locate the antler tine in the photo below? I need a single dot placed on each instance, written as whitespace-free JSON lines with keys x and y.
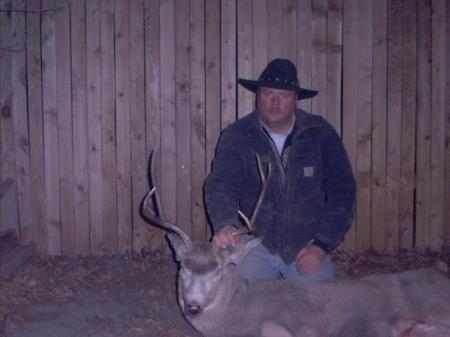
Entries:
{"x":147,"y":209}
{"x":264,"y":184}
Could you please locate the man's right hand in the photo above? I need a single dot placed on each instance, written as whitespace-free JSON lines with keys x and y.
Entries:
{"x":225,"y":237}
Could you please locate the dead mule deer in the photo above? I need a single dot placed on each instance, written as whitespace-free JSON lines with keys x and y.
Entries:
{"x":217,"y":302}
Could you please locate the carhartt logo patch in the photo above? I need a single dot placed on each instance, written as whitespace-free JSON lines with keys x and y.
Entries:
{"x":308,"y":171}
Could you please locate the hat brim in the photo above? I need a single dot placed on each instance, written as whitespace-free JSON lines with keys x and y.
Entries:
{"x":255,"y":85}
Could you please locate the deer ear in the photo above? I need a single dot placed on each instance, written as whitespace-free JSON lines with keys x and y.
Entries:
{"x":241,"y":250}
{"x":178,"y":245}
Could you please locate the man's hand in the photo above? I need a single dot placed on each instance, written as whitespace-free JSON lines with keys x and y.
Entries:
{"x":309,"y":259}
{"x":225,"y":237}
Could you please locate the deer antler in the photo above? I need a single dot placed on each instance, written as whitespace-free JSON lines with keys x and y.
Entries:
{"x":249,"y":228}
{"x":147,"y":210}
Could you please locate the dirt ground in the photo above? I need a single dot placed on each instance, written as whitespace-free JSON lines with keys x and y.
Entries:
{"x":132,"y":295}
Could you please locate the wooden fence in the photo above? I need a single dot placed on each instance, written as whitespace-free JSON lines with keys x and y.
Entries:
{"x":88,"y":88}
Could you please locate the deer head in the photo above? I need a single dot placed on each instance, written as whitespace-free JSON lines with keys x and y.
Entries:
{"x":203,"y":267}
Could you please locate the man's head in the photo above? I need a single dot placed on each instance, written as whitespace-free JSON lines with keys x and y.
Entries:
{"x":276,"y":107}
{"x":277,"y":91}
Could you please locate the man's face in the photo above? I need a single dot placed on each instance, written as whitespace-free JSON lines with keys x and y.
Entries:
{"x":276,"y":107}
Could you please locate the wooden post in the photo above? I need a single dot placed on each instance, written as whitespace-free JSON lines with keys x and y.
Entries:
{"x":123,"y":125}
{"x":379,"y":64}
{"x":304,"y":50}
{"x":139,"y":187}
{"x":198,"y":115}
{"x":319,"y":56}
{"x":394,"y":99}
{"x":35,"y":115}
{"x":183,"y":116}
{"x":438,"y":122}
{"x":228,"y":62}
{"x":81,"y":169}
{"x":245,"y":55}
{"x":408,"y":130}
{"x":350,"y":107}
{"x":152,"y":94}
{"x":94,"y":122}
{"x":20,"y":119}
{"x":109,"y":138}
{"x":364,"y":123}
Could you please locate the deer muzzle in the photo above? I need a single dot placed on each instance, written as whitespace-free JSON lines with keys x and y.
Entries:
{"x":192,"y":309}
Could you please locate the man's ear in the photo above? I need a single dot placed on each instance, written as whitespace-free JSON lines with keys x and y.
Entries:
{"x":178,"y":245}
{"x":241,"y":250}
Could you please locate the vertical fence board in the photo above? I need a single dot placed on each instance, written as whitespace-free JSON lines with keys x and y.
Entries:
{"x":20,"y":119}
{"x":228,"y":62}
{"x":182,"y":115}
{"x":259,"y":38}
{"x":275,"y":28}
{"x":394,"y":124}
{"x":198,"y":132}
{"x":9,"y":208}
{"x":364,"y":126}
{"x":245,"y":55}
{"x":289,"y":29}
{"x":80,"y":128}
{"x":319,"y":56}
{"x":406,"y":209}
{"x":379,"y":64}
{"x":137,"y":113}
{"x":34,"y":80}
{"x":71,"y":134}
{"x":51,"y":140}
{"x":94,"y":120}
{"x":109,"y":160}
{"x":350,"y":84}
{"x":168,"y":140}
{"x":334,"y":63}
{"x":423,"y":125}
{"x":107,"y":81}
{"x":438,"y":106}
{"x":212,"y":77}
{"x":123,"y":124}
{"x":304,"y":50}
{"x":153,"y":118}
{"x":447,"y":144}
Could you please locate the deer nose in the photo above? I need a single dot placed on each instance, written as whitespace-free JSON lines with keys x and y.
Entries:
{"x":193,"y":309}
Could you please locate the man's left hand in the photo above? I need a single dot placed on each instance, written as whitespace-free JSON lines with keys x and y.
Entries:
{"x":309,"y":259}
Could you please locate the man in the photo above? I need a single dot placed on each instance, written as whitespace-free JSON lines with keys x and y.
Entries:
{"x":308,"y":206}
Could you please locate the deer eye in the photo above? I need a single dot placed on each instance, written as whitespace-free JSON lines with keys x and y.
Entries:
{"x":183,"y":273}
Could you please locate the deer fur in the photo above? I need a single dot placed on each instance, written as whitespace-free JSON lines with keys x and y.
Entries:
{"x":374,"y":306}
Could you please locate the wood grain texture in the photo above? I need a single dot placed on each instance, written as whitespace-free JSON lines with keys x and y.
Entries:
{"x":94,"y":123}
{"x":35,"y":118}
{"x":109,"y":138}
{"x":379,"y":125}
{"x":81,"y":231}
{"x":408,"y":132}
{"x":51,"y":136}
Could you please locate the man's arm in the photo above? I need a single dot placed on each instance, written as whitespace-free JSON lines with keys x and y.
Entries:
{"x":223,"y":185}
{"x":340,"y":188}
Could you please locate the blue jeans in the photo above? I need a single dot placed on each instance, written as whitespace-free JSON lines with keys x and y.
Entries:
{"x":261,"y":264}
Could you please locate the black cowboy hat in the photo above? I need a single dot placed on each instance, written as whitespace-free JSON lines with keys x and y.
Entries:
{"x":279,"y":74}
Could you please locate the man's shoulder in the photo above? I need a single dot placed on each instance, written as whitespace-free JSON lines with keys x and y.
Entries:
{"x":308,"y":120}
{"x":243,"y":124}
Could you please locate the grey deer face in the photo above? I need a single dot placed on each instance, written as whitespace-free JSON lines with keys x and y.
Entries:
{"x":204,"y":270}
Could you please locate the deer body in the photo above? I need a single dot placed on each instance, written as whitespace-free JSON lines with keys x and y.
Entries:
{"x":218,"y":303}
{"x":369,"y":307}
